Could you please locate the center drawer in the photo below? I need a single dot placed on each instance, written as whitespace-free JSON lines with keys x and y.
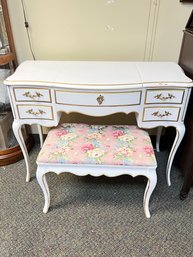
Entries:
{"x":98,"y":99}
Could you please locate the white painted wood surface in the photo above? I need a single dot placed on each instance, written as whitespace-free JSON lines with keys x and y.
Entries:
{"x":98,"y":170}
{"x":99,"y":89}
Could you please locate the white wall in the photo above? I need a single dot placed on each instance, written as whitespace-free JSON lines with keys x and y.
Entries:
{"x":100,"y":29}
{"x":172,"y":19}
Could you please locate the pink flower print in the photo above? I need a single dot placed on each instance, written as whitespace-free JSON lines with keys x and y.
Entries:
{"x":88,"y":147}
{"x":61,"y":133}
{"x":149,"y":150}
{"x":117,"y":133}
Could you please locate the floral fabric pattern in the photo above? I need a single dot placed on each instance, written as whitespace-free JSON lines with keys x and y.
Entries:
{"x":94,"y":144}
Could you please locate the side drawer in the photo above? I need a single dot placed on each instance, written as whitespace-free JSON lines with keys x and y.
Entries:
{"x":161,"y":113}
{"x":35,"y":112}
{"x":32,"y":94}
{"x":98,"y":99}
{"x":164,"y":96}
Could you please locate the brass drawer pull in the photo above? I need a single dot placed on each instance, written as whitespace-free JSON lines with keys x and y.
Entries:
{"x":30,"y":111}
{"x":164,"y":98}
{"x":27,"y":94}
{"x":159,"y":115}
{"x":100,"y":99}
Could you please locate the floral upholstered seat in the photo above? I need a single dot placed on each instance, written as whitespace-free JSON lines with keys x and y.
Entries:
{"x":97,"y":150}
{"x":95,"y":144}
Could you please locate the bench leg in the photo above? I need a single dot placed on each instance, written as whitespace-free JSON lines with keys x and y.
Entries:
{"x":41,"y":178}
{"x":151,"y":183}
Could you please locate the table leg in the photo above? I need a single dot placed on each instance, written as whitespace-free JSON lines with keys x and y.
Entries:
{"x":158,"y":136}
{"x":18,"y":134}
{"x":188,"y":179}
{"x":184,"y":191}
{"x":40,"y":135}
{"x":180,"y":131}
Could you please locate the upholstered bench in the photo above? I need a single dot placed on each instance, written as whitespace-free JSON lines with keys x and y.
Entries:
{"x":97,"y":150}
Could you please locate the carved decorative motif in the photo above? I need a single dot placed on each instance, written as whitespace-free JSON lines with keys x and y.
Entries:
{"x":157,"y":114}
{"x":40,"y":112}
{"x":37,"y":94}
{"x":164,"y":98}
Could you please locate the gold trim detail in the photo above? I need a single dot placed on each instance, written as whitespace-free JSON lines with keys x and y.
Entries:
{"x":27,"y":94}
{"x":50,"y":108}
{"x":161,"y":83}
{"x":164,"y":98}
{"x":56,"y":91}
{"x":75,"y":91}
{"x":162,"y":120}
{"x":171,"y":90}
{"x":100,"y":99}
{"x":16,"y":88}
{"x":40,"y":112}
{"x":159,"y":115}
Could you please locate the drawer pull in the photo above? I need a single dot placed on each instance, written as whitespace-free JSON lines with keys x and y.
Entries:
{"x":100,"y":99}
{"x":36,"y":95}
{"x":159,"y":115}
{"x":164,"y":98}
{"x":40,"y":112}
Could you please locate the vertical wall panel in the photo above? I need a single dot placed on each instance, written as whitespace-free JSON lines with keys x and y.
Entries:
{"x":100,"y":30}
{"x":172,"y":19}
{"x":86,"y":29}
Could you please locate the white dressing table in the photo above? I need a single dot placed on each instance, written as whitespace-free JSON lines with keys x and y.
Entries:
{"x":158,"y":93}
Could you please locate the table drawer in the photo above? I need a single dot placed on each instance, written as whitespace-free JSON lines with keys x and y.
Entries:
{"x":97,"y":99}
{"x":32,"y":95}
{"x":161,"y":113}
{"x":164,"y":96}
{"x":35,"y":112}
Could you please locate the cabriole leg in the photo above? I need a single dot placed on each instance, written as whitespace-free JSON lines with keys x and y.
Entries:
{"x":180,"y":130}
{"x":18,"y":134}
{"x":151,"y":183}
{"x":40,"y":135}
{"x":41,"y":178}
{"x":158,"y":136}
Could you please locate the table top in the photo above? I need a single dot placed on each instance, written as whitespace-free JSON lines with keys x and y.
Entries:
{"x":87,"y":73}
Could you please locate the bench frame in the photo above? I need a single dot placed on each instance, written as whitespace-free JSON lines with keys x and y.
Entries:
{"x":97,"y":170}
